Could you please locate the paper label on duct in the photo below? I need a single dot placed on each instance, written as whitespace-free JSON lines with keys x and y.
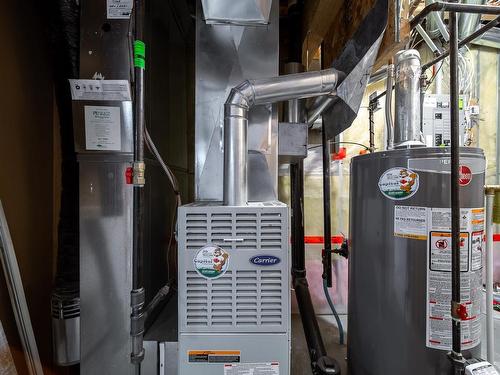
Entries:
{"x":268,"y":368}
{"x":102,"y":128}
{"x":97,"y":89}
{"x":438,"y":320}
{"x":119,"y":9}
{"x":398,"y":183}
{"x":410,"y":222}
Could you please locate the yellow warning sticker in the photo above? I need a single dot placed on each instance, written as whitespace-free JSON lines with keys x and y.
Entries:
{"x":410,"y":222}
{"x":411,"y":236}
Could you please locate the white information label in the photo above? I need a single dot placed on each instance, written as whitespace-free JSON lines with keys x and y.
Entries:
{"x":119,"y":9}
{"x":97,"y":89}
{"x":270,"y":368}
{"x":439,"y":331}
{"x":410,"y":222}
{"x":102,"y":128}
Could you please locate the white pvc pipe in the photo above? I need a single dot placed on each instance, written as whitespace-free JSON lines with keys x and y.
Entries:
{"x":490,"y":334}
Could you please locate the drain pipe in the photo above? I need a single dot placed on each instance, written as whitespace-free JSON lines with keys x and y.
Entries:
{"x":239,"y":102}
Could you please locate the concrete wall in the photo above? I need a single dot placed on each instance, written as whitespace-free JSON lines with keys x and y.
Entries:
{"x":26,"y":166}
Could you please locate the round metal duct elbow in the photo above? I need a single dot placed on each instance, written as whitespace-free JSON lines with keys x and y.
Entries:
{"x":237,"y":105}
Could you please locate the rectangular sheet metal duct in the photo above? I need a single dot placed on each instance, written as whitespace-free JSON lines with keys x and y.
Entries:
{"x":246,"y":12}
{"x":225,"y":56}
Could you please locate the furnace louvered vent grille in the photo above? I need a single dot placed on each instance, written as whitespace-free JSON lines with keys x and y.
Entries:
{"x":239,"y":230}
{"x":247,"y":297}
{"x":244,"y":298}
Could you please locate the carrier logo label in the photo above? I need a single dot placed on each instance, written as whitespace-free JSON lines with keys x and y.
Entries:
{"x":398,"y":183}
{"x":464,"y":175}
{"x":211,"y":261}
{"x":265,"y":260}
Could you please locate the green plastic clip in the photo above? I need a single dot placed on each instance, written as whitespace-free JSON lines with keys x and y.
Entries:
{"x":139,"y":54}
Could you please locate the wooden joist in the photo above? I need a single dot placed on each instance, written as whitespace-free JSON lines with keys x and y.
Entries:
{"x":331,"y":23}
{"x":319,"y":15}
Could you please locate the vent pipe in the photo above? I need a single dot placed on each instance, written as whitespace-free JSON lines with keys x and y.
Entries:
{"x":407,"y":131}
{"x":468,"y":22}
{"x":256,"y":92}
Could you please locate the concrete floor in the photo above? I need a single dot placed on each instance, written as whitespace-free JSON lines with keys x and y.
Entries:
{"x":301,"y":364}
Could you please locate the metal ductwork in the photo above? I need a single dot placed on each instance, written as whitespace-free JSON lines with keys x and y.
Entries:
{"x":435,"y":24}
{"x":407,"y":99}
{"x":255,"y":92}
{"x":248,"y":12}
{"x":468,"y":22}
{"x":356,"y":61}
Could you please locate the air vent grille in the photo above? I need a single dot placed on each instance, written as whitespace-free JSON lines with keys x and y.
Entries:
{"x":247,"y":297}
{"x":243,"y":298}
{"x":236,"y":230}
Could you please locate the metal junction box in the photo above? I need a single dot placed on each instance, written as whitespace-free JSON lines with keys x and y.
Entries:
{"x":292,"y":142}
{"x":234,"y":289}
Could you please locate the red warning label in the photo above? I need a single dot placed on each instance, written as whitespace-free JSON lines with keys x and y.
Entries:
{"x":465,"y":175}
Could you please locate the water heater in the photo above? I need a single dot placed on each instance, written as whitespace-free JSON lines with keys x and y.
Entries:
{"x":400,"y":260}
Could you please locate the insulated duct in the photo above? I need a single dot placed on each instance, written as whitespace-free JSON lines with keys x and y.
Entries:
{"x":255,"y":92}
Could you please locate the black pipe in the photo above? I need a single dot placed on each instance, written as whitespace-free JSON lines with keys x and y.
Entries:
{"x":320,"y":362}
{"x":453,"y":7}
{"x":455,"y":354}
{"x":464,"y":41}
{"x":371,"y":125}
{"x":137,"y":297}
{"x":297,"y":220}
{"x":327,"y":219}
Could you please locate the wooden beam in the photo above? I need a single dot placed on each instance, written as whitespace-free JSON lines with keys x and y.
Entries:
{"x":349,"y":19}
{"x":318,"y":18}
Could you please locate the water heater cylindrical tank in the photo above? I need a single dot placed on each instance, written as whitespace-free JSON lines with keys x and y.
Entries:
{"x":400,"y":260}
{"x":407,"y":131}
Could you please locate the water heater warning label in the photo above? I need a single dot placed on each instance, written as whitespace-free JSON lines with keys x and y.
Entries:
{"x":270,"y":368}
{"x":439,"y":333}
{"x":410,"y":222}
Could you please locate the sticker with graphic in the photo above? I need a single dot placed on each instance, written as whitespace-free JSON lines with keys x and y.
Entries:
{"x":465,"y":175}
{"x":398,"y":183}
{"x":211,"y":261}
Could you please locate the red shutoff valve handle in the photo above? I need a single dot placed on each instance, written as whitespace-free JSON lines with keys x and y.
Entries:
{"x":461,"y":312}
